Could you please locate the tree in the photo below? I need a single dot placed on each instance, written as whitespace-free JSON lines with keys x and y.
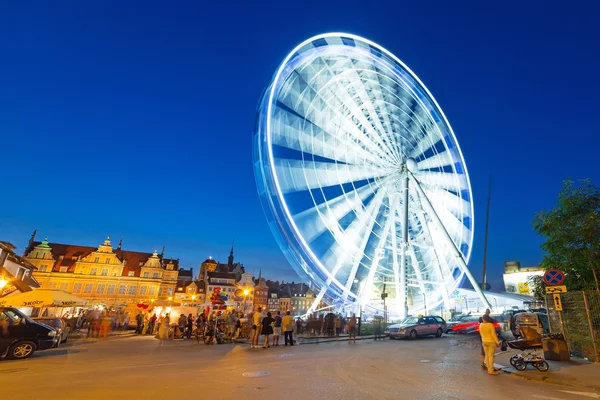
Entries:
{"x":572,"y":232}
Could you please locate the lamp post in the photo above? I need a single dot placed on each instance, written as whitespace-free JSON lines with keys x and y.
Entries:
{"x":3,"y":282}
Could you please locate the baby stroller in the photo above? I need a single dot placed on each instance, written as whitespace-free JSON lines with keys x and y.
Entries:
{"x":528,"y":344}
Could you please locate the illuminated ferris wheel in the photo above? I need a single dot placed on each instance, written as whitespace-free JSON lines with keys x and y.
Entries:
{"x":362,"y":179}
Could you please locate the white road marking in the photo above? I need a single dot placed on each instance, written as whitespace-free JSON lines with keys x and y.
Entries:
{"x":584,"y":394}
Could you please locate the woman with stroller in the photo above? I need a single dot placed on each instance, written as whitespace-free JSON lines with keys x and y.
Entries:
{"x":490,"y":342}
{"x":267,"y":328}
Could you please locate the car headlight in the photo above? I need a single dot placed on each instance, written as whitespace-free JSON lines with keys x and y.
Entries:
{"x":402,"y":331}
{"x":52,"y":333}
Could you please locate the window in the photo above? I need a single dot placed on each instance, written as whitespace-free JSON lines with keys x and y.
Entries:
{"x":107,"y":261}
{"x":115,"y":273}
{"x":170,"y":291}
{"x":132,"y":289}
{"x":160,"y":292}
{"x":88,"y":288}
{"x":93,"y":271}
{"x":143,"y":290}
{"x":104,"y":272}
{"x":122,"y":289}
{"x":100,"y":288}
{"x":439,"y":320}
{"x":155,"y":275}
{"x":173,"y":277}
{"x":111,"y":289}
{"x":146,"y":274}
{"x":77,"y":288}
{"x":152,"y":290}
{"x":131,"y":273}
{"x":43,"y":268}
{"x":63,"y":269}
{"x":64,"y":286}
{"x":97,"y":259}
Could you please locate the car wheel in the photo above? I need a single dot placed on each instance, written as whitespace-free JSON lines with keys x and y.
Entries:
{"x":21,"y":350}
{"x":439,"y":332}
{"x":413,"y":334}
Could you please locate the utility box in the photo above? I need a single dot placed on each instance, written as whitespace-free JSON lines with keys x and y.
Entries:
{"x":556,"y":350}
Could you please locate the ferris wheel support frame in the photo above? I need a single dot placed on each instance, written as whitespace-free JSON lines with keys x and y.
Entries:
{"x":462,"y":264}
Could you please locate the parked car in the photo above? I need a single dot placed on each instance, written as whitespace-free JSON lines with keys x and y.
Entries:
{"x":413,"y":327}
{"x":60,"y":326}
{"x":470,"y":325}
{"x":20,"y":336}
{"x":536,"y":321}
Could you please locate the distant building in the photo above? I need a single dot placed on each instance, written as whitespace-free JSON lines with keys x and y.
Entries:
{"x":103,"y":275}
{"x":516,"y":278}
{"x":190,"y":293}
{"x":185,"y":275}
{"x":261,"y":292}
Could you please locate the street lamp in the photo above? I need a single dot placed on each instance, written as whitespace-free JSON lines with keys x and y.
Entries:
{"x":3,"y":282}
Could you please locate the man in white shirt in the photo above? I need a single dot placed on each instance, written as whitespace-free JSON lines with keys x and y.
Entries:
{"x":256,"y":327}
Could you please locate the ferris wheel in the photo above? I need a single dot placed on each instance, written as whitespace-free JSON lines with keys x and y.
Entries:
{"x":362,"y":179}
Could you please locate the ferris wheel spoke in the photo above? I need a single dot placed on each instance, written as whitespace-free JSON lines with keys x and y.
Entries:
{"x":316,"y":220}
{"x":444,"y":180}
{"x":379,"y":249}
{"x":298,"y":175}
{"x":362,"y":231}
{"x":455,"y":204}
{"x":291,"y":132}
{"x":317,"y":105}
{"x":436,"y":161}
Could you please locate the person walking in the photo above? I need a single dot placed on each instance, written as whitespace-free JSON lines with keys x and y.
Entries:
{"x":352,"y":328}
{"x":377,"y":322}
{"x":287,"y":324}
{"x":163,"y":329}
{"x":256,"y":327}
{"x":490,"y":342}
{"x":338,"y":325}
{"x":140,"y":323}
{"x":190,"y":325}
{"x":277,"y":328}
{"x":267,"y":328}
{"x":151,"y":325}
{"x":231,"y":319}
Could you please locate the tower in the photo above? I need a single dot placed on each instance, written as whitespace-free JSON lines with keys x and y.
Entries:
{"x":230,"y":258}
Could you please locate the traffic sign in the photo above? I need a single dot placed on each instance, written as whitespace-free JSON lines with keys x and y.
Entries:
{"x":557,"y":302}
{"x":556,"y":289}
{"x":554,"y":277}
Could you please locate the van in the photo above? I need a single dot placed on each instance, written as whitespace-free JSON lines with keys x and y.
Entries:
{"x":20,"y":336}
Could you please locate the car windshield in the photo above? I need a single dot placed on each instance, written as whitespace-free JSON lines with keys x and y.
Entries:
{"x":410,"y":321}
{"x":53,"y":322}
{"x":458,"y":318}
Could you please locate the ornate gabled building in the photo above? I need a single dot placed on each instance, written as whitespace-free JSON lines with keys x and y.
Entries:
{"x":16,"y":273}
{"x":103,"y":275}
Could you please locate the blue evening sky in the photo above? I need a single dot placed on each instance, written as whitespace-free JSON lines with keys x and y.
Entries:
{"x":135,"y":119}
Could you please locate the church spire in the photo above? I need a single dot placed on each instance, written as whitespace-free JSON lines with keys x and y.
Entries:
{"x":230,"y":258}
{"x":259,"y":274}
{"x":120,"y":244}
{"x":30,"y":244}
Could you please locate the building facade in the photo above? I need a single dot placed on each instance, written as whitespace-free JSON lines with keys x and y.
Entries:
{"x":517,"y":278}
{"x":103,"y":275}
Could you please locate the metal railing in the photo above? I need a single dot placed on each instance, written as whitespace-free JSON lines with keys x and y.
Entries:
{"x":579,"y":321}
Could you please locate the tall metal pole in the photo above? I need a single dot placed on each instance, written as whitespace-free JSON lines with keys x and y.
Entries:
{"x":485,"y":243}
{"x":404,"y":244}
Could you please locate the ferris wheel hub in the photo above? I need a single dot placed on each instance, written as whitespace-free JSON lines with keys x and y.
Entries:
{"x":411,"y":165}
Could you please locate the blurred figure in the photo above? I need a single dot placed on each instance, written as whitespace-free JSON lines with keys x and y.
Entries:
{"x":338,"y":325}
{"x":277,"y":328}
{"x":105,"y":324}
{"x":163,"y":330}
{"x":151,"y":324}
{"x":287,"y":324}
{"x":256,"y":327}
{"x":190,"y":325}
{"x":352,"y":328}
{"x":139,"y":319}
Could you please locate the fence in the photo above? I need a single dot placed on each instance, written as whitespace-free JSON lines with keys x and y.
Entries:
{"x":580,"y":321}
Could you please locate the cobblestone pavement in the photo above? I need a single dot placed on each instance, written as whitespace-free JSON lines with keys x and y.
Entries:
{"x":139,"y":367}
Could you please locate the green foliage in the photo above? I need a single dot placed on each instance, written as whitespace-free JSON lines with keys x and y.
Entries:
{"x":536,"y":282}
{"x":572,"y":232}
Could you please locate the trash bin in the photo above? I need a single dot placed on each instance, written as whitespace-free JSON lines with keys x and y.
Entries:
{"x":555,"y":350}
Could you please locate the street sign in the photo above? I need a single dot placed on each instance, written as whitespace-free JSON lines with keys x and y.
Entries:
{"x":554,"y":277}
{"x":556,"y":289}
{"x":557,"y":302}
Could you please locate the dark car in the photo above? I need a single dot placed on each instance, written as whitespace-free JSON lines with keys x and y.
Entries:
{"x":457,"y":319}
{"x":60,"y":326}
{"x":20,"y":336}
